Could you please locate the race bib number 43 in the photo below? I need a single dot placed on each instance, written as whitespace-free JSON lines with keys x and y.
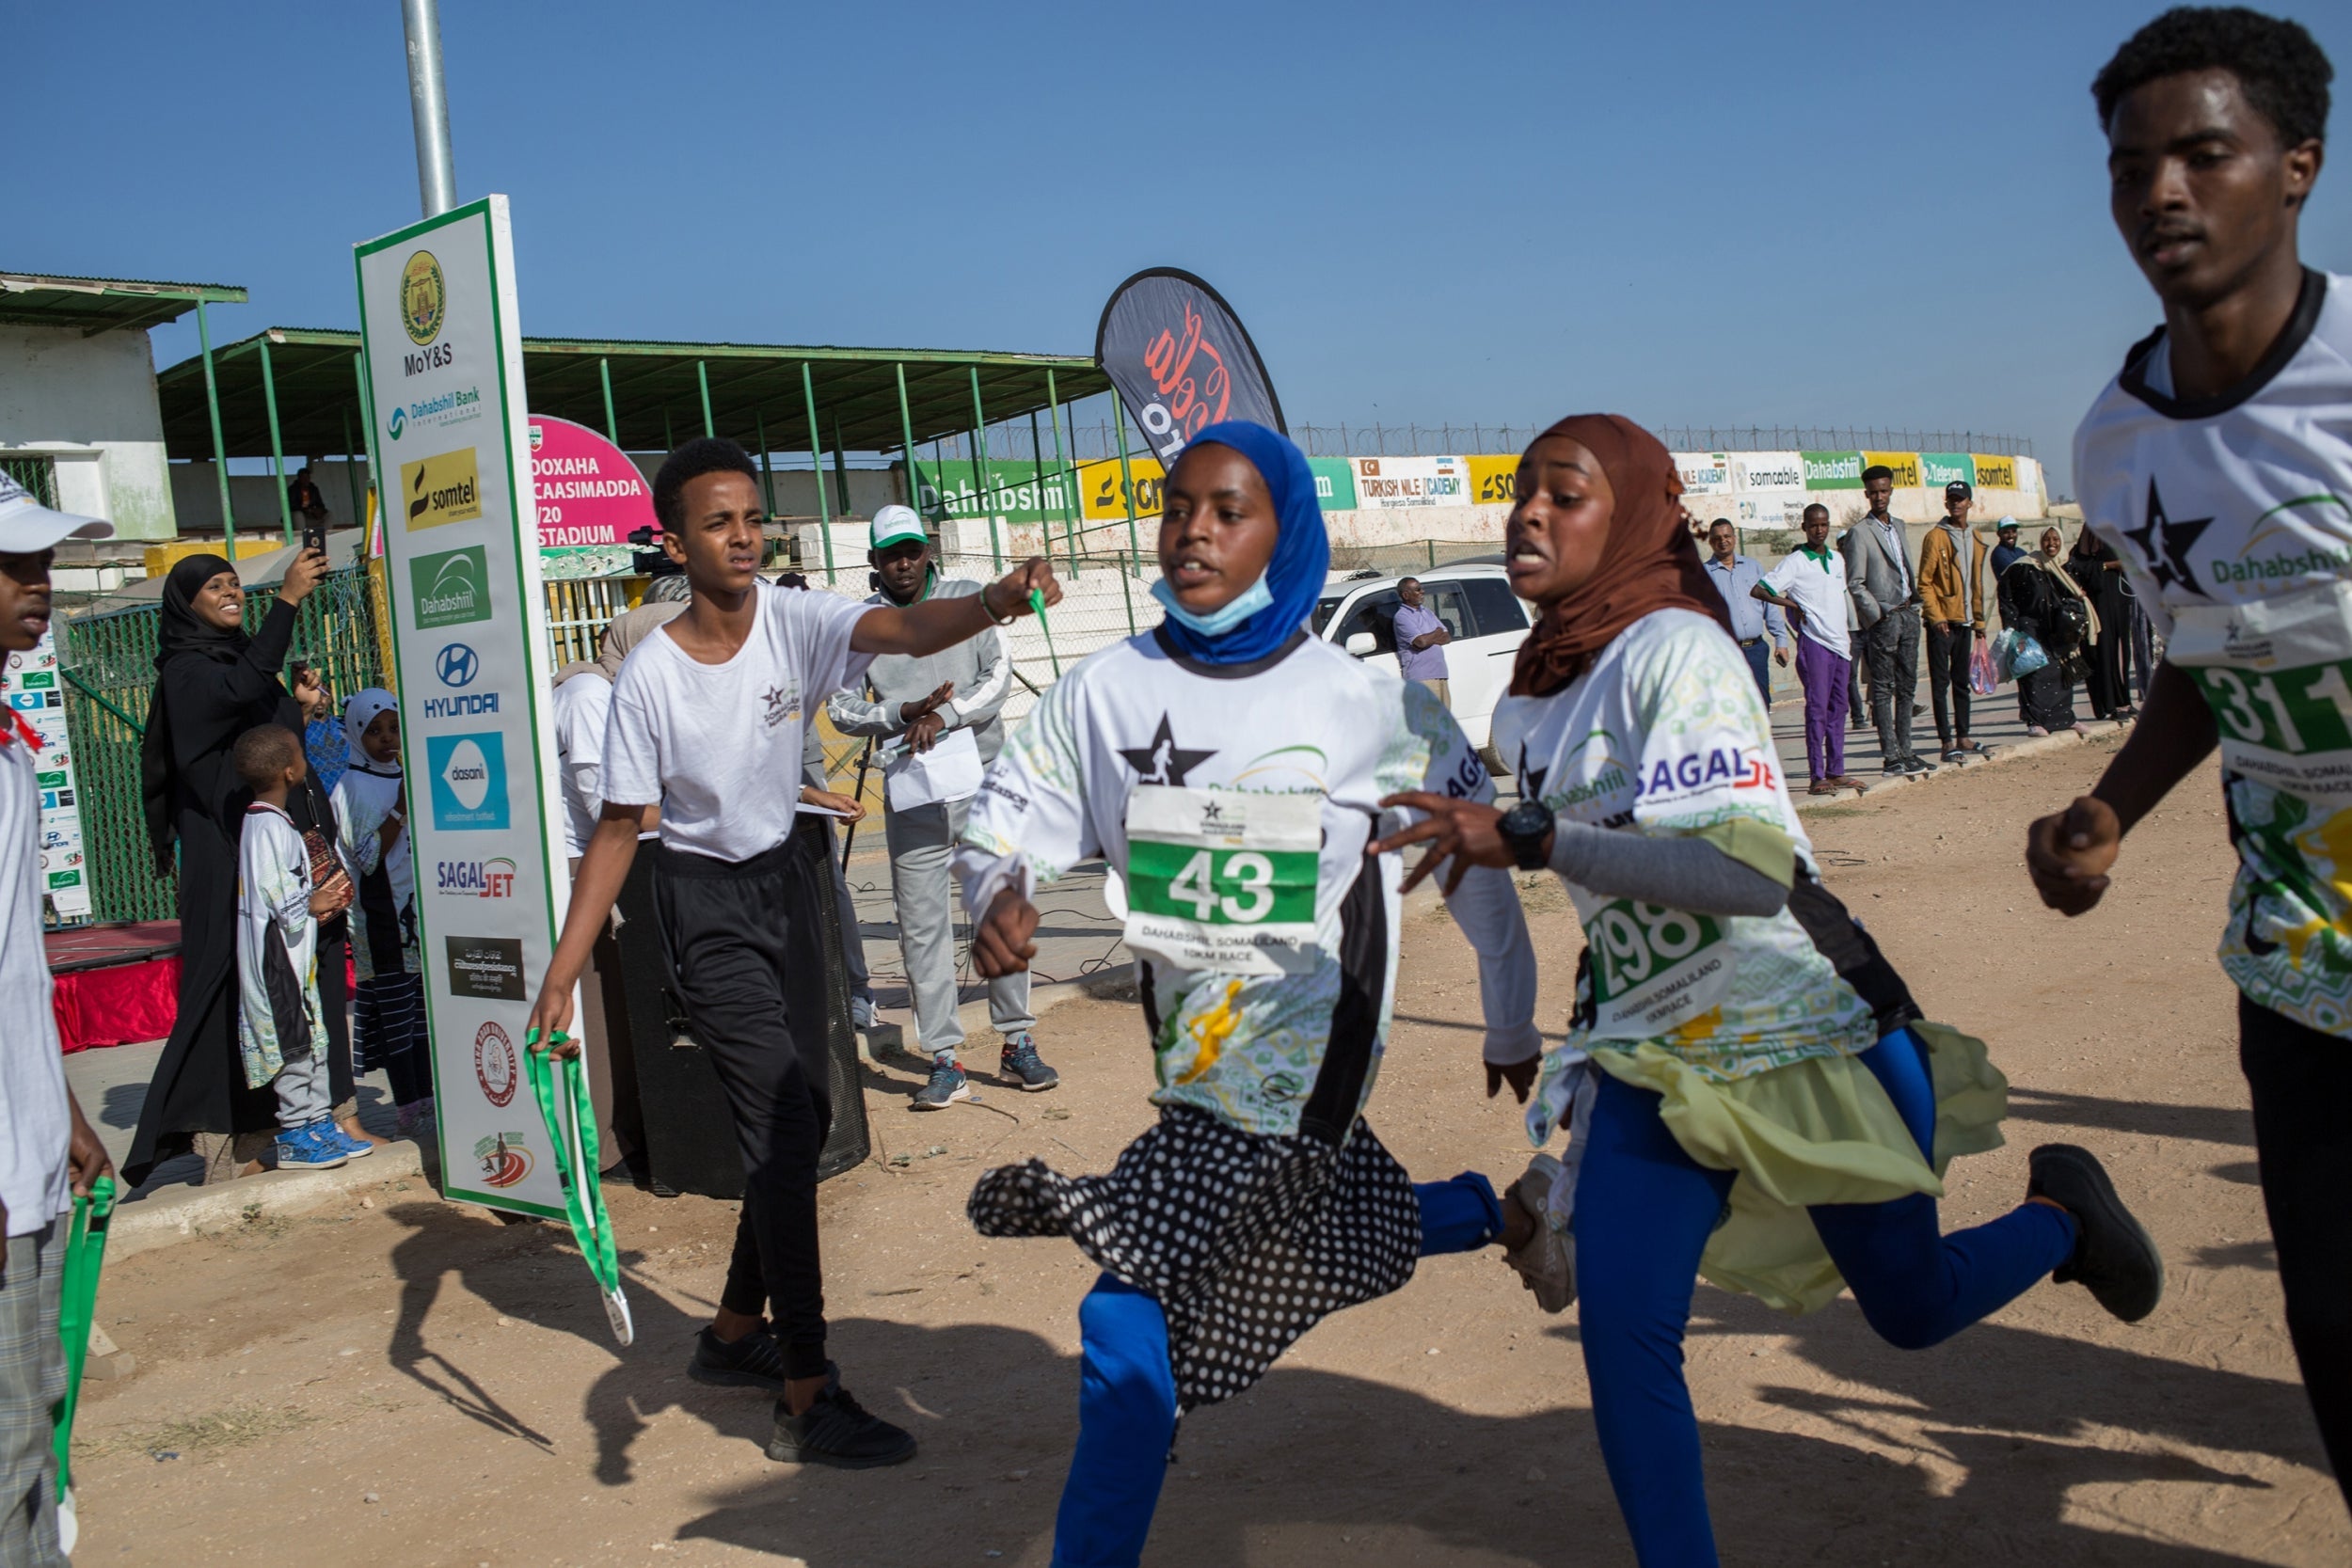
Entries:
{"x":1653,"y":968}
{"x":1223,"y":879}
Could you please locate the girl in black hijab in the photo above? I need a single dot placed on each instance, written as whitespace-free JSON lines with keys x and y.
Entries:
{"x":213,"y":684}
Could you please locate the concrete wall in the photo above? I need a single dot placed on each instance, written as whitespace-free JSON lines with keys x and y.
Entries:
{"x":195,"y":493}
{"x":89,"y":404}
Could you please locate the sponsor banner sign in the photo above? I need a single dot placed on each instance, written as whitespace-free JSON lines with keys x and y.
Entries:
{"x":1939,"y":469}
{"x":462,"y":571}
{"x":1905,"y":464}
{"x":1832,"y":470}
{"x":1768,"y":470}
{"x":1703,"y":473}
{"x":1385,"y":482}
{"x":1102,"y":488}
{"x":1771,"y":510}
{"x":34,"y":691}
{"x":587,"y":490}
{"x":1493,"y":480}
{"x":1014,"y":491}
{"x":1994,"y":473}
{"x":1180,"y":360}
{"x":1335,"y":483}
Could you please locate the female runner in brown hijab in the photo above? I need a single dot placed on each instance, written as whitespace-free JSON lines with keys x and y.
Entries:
{"x":1750,"y":1093}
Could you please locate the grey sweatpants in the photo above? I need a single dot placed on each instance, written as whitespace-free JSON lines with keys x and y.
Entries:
{"x":921,"y":839}
{"x":32,"y":1379}
{"x":301,"y":1086}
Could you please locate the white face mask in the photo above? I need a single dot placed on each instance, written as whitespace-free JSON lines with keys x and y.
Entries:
{"x":1250,"y":600}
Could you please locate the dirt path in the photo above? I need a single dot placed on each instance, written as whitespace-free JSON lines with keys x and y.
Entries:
{"x":412,"y":1383}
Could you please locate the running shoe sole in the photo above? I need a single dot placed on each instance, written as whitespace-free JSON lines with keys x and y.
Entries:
{"x":960,"y":1093}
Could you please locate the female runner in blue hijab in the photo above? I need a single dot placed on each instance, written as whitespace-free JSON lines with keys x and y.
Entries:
{"x":1227,"y":767}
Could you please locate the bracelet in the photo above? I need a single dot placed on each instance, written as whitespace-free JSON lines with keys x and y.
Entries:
{"x":990,"y":611}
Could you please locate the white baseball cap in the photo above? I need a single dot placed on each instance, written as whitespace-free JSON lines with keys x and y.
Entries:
{"x":27,"y":527}
{"x":894,"y":523}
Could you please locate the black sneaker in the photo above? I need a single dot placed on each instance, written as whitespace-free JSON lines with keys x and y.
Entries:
{"x":1021,"y":1064}
{"x":2113,"y":1255}
{"x":837,"y":1430}
{"x":1894,"y":769}
{"x":1917,"y":763}
{"x":754,"y":1361}
{"x":946,"y":1086}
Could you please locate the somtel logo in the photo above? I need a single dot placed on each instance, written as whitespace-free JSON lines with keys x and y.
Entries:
{"x":490,"y":878}
{"x":451,"y":589}
{"x":469,"y":781}
{"x":487,"y":969}
{"x":466,"y":705}
{"x":442,"y":489}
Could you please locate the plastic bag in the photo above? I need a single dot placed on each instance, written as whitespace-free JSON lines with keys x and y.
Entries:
{"x":1982,"y":678}
{"x":2022,"y":658}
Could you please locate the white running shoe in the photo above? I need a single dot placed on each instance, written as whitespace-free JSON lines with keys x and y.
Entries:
{"x":1546,"y":1264}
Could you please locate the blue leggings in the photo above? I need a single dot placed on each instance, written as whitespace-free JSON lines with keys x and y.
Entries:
{"x":1643,"y":1211}
{"x":1127,"y":1393}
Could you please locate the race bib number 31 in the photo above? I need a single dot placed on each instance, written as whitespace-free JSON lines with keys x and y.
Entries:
{"x":1653,"y":968}
{"x":1223,"y":879}
{"x":2278,"y":675}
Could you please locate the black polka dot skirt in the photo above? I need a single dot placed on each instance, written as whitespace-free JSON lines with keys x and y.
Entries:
{"x":1245,"y":1239}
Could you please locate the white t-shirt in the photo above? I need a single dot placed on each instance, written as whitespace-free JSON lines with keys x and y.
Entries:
{"x":583,"y":706}
{"x":719,"y":746}
{"x":35,"y":1126}
{"x":1818,"y":590}
{"x":2234,"y":516}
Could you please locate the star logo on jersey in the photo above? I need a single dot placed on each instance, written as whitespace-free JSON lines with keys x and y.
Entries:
{"x":1530,"y":779}
{"x":782,"y":703}
{"x":2165,"y":544}
{"x":1164,"y":762}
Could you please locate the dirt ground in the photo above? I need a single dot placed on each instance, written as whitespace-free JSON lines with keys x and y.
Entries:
{"x":411,"y":1382}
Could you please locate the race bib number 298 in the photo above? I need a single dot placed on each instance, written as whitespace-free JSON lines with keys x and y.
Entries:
{"x":1653,"y":968}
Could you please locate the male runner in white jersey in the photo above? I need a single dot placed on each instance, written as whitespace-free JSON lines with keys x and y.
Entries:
{"x":708,"y":716}
{"x":2218,"y":463}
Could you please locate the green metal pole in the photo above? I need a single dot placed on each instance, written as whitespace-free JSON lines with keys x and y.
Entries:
{"x":351,"y":469}
{"x":220,"y":450}
{"x":979,"y":473}
{"x":1127,"y":590}
{"x":1070,"y":492}
{"x":1126,"y":475}
{"x":276,"y":450}
{"x":702,"y":377}
{"x":841,"y":470}
{"x":611,"y":424}
{"x":1037,"y":486}
{"x":817,"y":468}
{"x":906,"y":437}
{"x":767,"y":479}
{"x":668,"y":442}
{"x":367,"y":421}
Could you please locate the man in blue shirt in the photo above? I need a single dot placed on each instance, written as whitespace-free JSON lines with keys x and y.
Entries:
{"x":1421,"y":639}
{"x":2008,"y":551}
{"x":1736,"y":577}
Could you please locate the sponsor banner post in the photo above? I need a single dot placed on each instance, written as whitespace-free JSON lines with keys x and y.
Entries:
{"x":462,"y":572}
{"x":1832,"y":470}
{"x":1384,"y":482}
{"x":1905,"y":464}
{"x":1180,"y":360}
{"x":1703,"y":473}
{"x":40,"y":702}
{"x":1994,"y":473}
{"x":1939,"y":469}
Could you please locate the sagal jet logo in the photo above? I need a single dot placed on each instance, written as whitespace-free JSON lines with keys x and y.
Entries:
{"x":442,"y":489}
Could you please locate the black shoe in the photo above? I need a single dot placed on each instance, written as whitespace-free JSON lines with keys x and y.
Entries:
{"x":1022,"y":1065}
{"x":1895,"y":768}
{"x":754,"y":1361}
{"x":2113,"y":1255}
{"x":1917,"y":763}
{"x":835,"y":1430}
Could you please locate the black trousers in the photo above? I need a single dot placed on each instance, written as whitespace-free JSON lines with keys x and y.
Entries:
{"x":1947,"y":678}
{"x":747,"y":959}
{"x":1892,"y":646}
{"x":2301,"y":1082}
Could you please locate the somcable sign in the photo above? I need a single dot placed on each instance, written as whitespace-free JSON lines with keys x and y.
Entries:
{"x":461,"y":549}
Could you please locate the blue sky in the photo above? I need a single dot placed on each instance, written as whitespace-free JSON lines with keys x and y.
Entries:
{"x":1701,"y":214}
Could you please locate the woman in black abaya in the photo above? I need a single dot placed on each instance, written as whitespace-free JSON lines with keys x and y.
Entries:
{"x":213,"y":684}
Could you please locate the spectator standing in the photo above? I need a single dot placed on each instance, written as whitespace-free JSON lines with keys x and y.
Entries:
{"x":818,"y":777}
{"x":281,"y":1027}
{"x":1735,"y":576}
{"x":941,"y":713}
{"x":371,"y":818}
{"x":322,"y":739}
{"x":1951,"y":591}
{"x":2035,"y":591}
{"x":1421,"y":639}
{"x":1885,"y":587}
{"x":1810,"y":588}
{"x":303,"y":499}
{"x":2007,"y":551}
{"x":2099,"y":572}
{"x":46,"y":1145}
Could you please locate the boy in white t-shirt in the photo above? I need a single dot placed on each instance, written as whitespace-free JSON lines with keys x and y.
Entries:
{"x":1811,"y":586}
{"x":280,"y":1025}
{"x":46,"y":1146}
{"x":707,"y":720}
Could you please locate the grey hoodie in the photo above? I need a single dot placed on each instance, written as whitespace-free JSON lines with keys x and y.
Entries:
{"x":979,"y":667}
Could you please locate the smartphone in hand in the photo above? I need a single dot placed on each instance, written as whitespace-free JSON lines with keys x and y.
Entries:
{"x":314,"y":537}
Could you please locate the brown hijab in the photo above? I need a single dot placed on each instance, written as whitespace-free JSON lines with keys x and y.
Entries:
{"x":1649,"y":561}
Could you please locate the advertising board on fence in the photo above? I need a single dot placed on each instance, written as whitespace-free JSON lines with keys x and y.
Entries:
{"x":438,"y":322}
{"x":1383,"y":483}
{"x":1939,"y":469}
{"x":1102,"y":488}
{"x":1755,"y":471}
{"x":1994,"y":473}
{"x":588,"y":491}
{"x":1904,"y":463}
{"x":34,"y":693}
{"x":1832,"y":470}
{"x":1703,"y":473}
{"x":1011,"y":490}
{"x":1492,"y":480}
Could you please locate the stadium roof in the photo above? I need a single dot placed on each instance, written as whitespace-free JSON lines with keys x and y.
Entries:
{"x":103,"y":304}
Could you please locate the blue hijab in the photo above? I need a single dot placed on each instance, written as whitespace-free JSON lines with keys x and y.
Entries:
{"x":1303,"y":553}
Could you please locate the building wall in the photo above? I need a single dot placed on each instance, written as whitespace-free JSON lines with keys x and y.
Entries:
{"x":89,"y":404}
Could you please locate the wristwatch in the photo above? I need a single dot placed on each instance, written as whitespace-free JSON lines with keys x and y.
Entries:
{"x":1524,"y":828}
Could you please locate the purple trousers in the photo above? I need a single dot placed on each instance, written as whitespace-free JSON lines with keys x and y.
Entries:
{"x":1824,"y":676}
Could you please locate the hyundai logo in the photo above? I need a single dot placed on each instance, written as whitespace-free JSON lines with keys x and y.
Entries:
{"x":457,"y":665}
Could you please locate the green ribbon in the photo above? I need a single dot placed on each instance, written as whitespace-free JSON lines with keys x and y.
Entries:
{"x":85,"y":1254}
{"x":1036,"y":602}
{"x":576,"y":1166}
